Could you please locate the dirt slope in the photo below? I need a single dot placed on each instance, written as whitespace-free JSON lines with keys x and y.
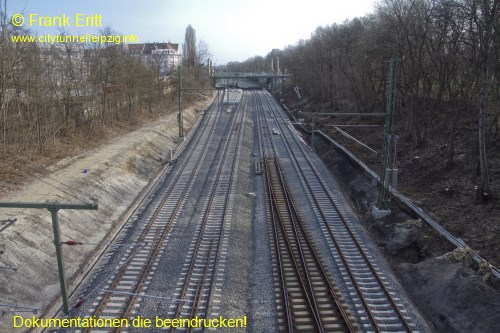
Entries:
{"x":114,"y":173}
{"x":449,"y":195}
{"x":451,"y":291}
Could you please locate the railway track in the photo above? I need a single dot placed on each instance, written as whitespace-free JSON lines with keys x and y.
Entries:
{"x":118,"y":295}
{"x":311,"y":302}
{"x":322,"y":284}
{"x":372,"y":300}
{"x":199,"y":285}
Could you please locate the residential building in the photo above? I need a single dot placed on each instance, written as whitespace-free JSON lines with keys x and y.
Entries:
{"x":164,"y":57}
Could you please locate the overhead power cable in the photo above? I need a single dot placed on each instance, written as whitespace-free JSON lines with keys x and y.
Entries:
{"x":353,"y":138}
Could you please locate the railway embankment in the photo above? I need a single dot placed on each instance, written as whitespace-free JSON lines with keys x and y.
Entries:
{"x":116,"y":173}
{"x":452,"y":291}
{"x":445,"y":283}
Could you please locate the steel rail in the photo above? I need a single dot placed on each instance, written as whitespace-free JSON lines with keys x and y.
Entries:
{"x":304,"y":281}
{"x":356,"y":243}
{"x":214,"y":188}
{"x":198,"y":294}
{"x":130,"y":212}
{"x":302,"y":242}
{"x":257,"y":104}
{"x":334,"y":237}
{"x":274,"y":215}
{"x":331,"y":287}
{"x":230,"y":188}
{"x":342,"y":256}
{"x":459,"y":243}
{"x":286,"y":298}
{"x":152,"y":255}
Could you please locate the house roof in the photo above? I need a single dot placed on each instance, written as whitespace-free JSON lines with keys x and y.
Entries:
{"x":147,"y":48}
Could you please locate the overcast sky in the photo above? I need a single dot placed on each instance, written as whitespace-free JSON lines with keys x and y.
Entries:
{"x":234,"y":30}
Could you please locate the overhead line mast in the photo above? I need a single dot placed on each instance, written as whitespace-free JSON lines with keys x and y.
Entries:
{"x":53,"y":208}
{"x":389,"y":140}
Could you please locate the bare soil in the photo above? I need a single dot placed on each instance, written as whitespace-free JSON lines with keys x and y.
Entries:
{"x":449,"y":195}
{"x":115,"y":169}
{"x":32,"y":163}
{"x":451,"y":291}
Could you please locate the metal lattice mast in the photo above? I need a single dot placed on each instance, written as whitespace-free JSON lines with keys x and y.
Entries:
{"x":383,"y":195}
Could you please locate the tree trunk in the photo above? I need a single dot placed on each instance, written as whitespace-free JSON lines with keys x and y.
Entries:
{"x":330,"y":86}
{"x":483,"y":162}
{"x":451,"y":146}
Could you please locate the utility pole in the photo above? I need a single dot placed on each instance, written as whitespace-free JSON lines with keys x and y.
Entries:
{"x":301,"y":101}
{"x":312,"y":132}
{"x":302,"y":84}
{"x":389,"y":139}
{"x":53,"y":208}
{"x":179,"y":115}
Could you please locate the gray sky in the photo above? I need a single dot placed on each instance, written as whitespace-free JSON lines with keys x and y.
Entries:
{"x":234,"y":30}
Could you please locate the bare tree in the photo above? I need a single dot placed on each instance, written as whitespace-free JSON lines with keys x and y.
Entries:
{"x":484,"y":16}
{"x":48,"y":92}
{"x":202,"y":55}
{"x":189,"y":47}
